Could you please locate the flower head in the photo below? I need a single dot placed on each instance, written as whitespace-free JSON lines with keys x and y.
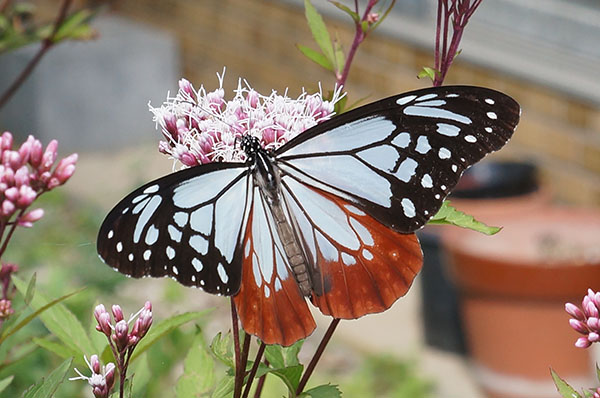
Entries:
{"x":586,"y":320}
{"x":102,"y":379}
{"x":201,"y":127}
{"x":118,"y":330}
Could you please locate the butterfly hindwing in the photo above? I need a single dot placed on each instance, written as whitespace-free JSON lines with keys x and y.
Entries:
{"x":186,"y":225}
{"x":398,"y":158}
{"x":359,"y":266}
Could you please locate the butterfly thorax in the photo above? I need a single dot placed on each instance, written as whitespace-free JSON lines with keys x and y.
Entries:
{"x":267,"y":177}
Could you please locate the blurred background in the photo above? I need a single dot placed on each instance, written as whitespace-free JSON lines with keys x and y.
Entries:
{"x":93,"y":97}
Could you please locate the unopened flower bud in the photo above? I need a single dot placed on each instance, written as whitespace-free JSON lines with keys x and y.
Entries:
{"x":12,"y":194}
{"x":49,"y":156}
{"x":186,"y":87}
{"x":593,"y":337}
{"x":6,"y":141}
{"x":117,"y":313}
{"x":65,"y":169}
{"x":30,"y":217}
{"x":372,"y":17}
{"x":6,"y":308}
{"x":578,"y":326}
{"x":120,"y":336}
{"x":583,"y":342}
{"x":22,"y":176}
{"x":95,"y":363}
{"x":36,"y":154}
{"x":7,"y":208}
{"x":109,"y":375}
{"x":26,"y":196}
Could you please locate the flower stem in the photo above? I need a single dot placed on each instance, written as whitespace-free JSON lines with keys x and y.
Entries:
{"x":261,"y":381}
{"x":237,"y":389}
{"x":47,"y":43}
{"x":315,"y":359}
{"x":255,"y":365}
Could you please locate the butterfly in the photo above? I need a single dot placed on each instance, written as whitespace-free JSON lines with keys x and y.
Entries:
{"x":329,"y":216}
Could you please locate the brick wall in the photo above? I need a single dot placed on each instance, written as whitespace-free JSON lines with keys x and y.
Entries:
{"x":255,"y":40}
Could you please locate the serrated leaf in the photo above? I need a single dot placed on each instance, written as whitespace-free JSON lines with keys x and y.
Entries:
{"x":323,"y":391}
{"x":428,"y":72}
{"x":5,"y":382}
{"x":318,"y":30}
{"x":221,"y":348}
{"x":449,"y":215}
{"x":57,"y":348}
{"x":274,"y":354}
{"x":46,"y":387}
{"x":163,"y":328}
{"x":291,"y":353}
{"x":224,"y":388}
{"x":59,"y":320}
{"x":355,"y":17}
{"x":198,"y":376}
{"x":564,"y":389}
{"x":315,"y":56}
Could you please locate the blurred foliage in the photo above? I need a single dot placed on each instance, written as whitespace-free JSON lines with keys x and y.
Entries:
{"x":19,"y":26}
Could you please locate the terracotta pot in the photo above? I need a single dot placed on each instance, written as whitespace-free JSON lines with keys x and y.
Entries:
{"x":512,"y":289}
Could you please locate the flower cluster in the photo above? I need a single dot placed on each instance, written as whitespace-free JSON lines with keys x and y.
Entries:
{"x":27,"y":172}
{"x":586,"y":320}
{"x":122,"y":342}
{"x":202,"y":127}
{"x":119,"y":333}
{"x":102,"y":379}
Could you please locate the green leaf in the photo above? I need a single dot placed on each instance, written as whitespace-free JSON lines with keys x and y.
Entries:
{"x":323,"y":391}
{"x":319,"y":30}
{"x":30,"y":289}
{"x":274,"y":354}
{"x":5,"y":382}
{"x":140,"y":377}
{"x":355,"y":17}
{"x":315,"y":56}
{"x":221,"y":348}
{"x":364,"y":25}
{"x":449,"y":215}
{"x":57,"y":318}
{"x":163,"y":328}
{"x":224,"y":388}
{"x":198,"y":371}
{"x":340,"y":57}
{"x":46,"y":387}
{"x":565,"y":390}
{"x":57,"y":348}
{"x":290,"y":376}
{"x":75,"y":26}
{"x":428,"y":72}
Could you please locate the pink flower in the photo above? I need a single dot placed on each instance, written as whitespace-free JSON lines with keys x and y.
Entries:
{"x":202,"y":127}
{"x":102,"y":379}
{"x":586,"y":319}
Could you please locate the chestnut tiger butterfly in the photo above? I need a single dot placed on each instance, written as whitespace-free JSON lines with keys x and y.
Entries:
{"x":328,"y":216}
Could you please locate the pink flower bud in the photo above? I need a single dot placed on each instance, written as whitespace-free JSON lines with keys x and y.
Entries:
{"x":582,"y":342}
{"x":49,"y":156}
{"x":7,"y":208}
{"x":593,"y":337}
{"x":5,"y":308}
{"x":120,"y":336}
{"x":110,"y":375}
{"x":104,"y":323}
{"x":8,"y":176}
{"x":579,"y":326}
{"x":12,"y":194}
{"x":372,"y":17}
{"x":6,"y":141}
{"x":593,"y":324}
{"x":64,"y":170}
{"x":590,"y":309}
{"x":117,"y":313}
{"x":188,"y":159}
{"x":26,"y":196}
{"x":186,"y":87}
{"x":11,"y":159}
{"x":170,"y":125}
{"x":22,"y":176}
{"x":95,"y":364}
{"x":30,"y":217}
{"x":37,"y":151}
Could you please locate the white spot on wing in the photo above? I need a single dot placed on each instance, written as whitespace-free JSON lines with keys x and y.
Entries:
{"x":197,"y":264}
{"x":256,"y":271}
{"x":151,"y":235}
{"x":405,"y":100}
{"x":130,"y":257}
{"x":423,"y":145}
{"x":138,"y":198}
{"x":278,"y":286}
{"x":194,"y":191}
{"x":454,"y":168}
{"x":175,"y":270}
{"x":444,"y":153}
{"x":367,"y":254}
{"x":448,"y":130}
{"x":401,"y":140}
{"x":438,"y":113}
{"x":470,"y":138}
{"x":408,"y":207}
{"x":180,"y":218}
{"x":267,"y":291}
{"x":199,"y":243}
{"x":492,"y":115}
{"x":348,"y":259}
{"x":145,"y":217}
{"x":426,"y":97}
{"x":451,"y":95}
{"x":201,"y":219}
{"x":432,"y":103}
{"x":174,"y":233}
{"x":490,"y":101}
{"x":222,"y":273}
{"x":170,"y":252}
{"x":140,"y":205}
{"x":119,"y":247}
{"x":363,"y":233}
{"x":406,"y":170}
{"x":147,"y":254}
{"x":383,"y":157}
{"x":327,"y":250}
{"x":151,"y":189}
{"x":354,"y":210}
{"x":488,"y":129}
{"x":111,"y":233}
{"x":426,"y":181}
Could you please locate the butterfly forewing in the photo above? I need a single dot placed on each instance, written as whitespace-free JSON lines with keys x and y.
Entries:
{"x":398,"y":158}
{"x":187,"y":225}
